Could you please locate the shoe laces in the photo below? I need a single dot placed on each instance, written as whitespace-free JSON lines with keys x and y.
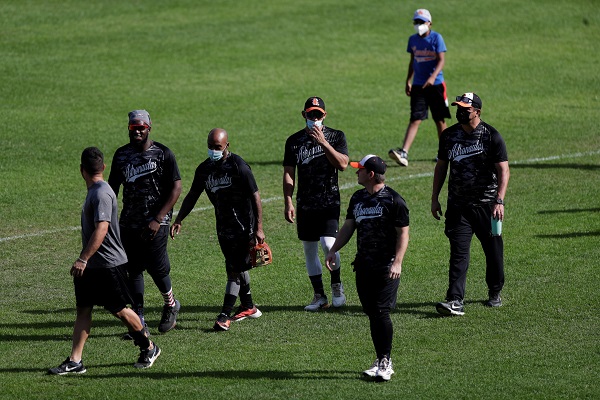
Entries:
{"x":336,"y":288}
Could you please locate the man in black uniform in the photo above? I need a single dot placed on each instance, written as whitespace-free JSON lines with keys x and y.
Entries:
{"x":318,"y":153}
{"x":231,"y":188}
{"x":479,"y":173}
{"x":380,"y":216}
{"x":98,"y":273}
{"x":151,"y":186}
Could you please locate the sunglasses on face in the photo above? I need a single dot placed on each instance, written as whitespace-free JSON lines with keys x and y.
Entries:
{"x":418,"y":22}
{"x":463,"y":99}
{"x":315,"y":114}
{"x":138,"y":127}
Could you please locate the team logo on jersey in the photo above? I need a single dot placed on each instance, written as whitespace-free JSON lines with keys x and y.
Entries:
{"x":214,"y":184}
{"x":304,"y":155}
{"x":361,"y":213}
{"x":458,"y":152}
{"x":132,"y":173}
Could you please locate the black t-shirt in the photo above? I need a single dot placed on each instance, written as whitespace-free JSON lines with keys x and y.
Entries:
{"x":472,"y":157}
{"x":377,"y":216}
{"x":148,"y":178}
{"x":317,"y":178}
{"x":230,"y":186}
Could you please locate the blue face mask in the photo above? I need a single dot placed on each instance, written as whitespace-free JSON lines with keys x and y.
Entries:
{"x":311,"y":124}
{"x":215,"y":155}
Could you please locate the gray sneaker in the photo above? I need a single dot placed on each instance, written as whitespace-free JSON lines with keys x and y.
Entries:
{"x":451,"y":307}
{"x":494,"y":301}
{"x":371,"y":372}
{"x":339,"y":298}
{"x":318,"y":302}
{"x":385,"y":371}
{"x":400,"y":156}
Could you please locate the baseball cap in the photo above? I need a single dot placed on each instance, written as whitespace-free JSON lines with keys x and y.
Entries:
{"x":314,"y":103}
{"x":423,"y":15}
{"x":370,"y":162}
{"x":468,"y":100}
{"x":140,"y":115}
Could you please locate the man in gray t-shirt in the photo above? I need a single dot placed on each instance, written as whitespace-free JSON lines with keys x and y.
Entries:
{"x":98,"y":273}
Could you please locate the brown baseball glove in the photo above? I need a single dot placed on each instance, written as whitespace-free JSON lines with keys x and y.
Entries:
{"x":261,"y":255}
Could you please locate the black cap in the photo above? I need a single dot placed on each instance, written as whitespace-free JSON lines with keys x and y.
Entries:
{"x":372,"y":163}
{"x":314,"y":103}
{"x":468,"y":100}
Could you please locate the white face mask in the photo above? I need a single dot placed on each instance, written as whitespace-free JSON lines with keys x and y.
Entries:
{"x":311,"y":124}
{"x":215,"y":155}
{"x":421,"y":29}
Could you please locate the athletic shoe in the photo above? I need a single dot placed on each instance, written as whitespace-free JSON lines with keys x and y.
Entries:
{"x":68,"y":367}
{"x":494,"y":300}
{"x":400,"y":156}
{"x":452,"y":307}
{"x":222,"y":323}
{"x":339,"y":298}
{"x":371,"y":372}
{"x":385,"y":371}
{"x":169,"y":317}
{"x":128,"y":336}
{"x":147,"y":357}
{"x":242,"y":313}
{"x":317,"y":303}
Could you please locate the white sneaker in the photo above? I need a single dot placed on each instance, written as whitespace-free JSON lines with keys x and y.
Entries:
{"x":317,"y":303}
{"x":385,"y":371}
{"x":371,"y":372}
{"x":339,"y":298}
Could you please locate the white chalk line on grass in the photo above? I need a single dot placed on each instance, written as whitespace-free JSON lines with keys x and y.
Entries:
{"x":342,"y":187}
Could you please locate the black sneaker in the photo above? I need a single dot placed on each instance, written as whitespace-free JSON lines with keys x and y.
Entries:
{"x":222,"y":323}
{"x":494,"y":300}
{"x":68,"y":367}
{"x":147,"y":357}
{"x":128,"y":336}
{"x":169,"y":317}
{"x":451,"y":307}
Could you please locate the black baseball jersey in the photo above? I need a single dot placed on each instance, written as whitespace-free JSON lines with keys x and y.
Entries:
{"x":147,"y":178}
{"x":230,"y":186}
{"x":317,"y":178}
{"x":377,"y":216}
{"x":472,"y":157}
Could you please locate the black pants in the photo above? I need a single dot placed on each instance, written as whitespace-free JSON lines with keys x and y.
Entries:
{"x":461,"y":224}
{"x":377,"y":294}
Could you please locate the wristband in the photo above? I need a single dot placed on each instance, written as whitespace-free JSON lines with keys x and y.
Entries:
{"x":157,"y":220}
{"x":81,"y":260}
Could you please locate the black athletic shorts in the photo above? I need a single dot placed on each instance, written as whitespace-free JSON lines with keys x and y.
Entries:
{"x":105,"y":287}
{"x":312,"y":224}
{"x":237,"y":253}
{"x":434,"y":97}
{"x":145,"y":254}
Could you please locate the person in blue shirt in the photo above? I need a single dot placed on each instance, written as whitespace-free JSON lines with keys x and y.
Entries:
{"x":428,"y":88}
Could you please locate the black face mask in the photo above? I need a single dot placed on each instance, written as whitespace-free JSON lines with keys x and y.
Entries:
{"x":463,"y":116}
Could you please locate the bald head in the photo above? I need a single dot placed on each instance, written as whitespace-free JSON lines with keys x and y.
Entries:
{"x":218,"y":141}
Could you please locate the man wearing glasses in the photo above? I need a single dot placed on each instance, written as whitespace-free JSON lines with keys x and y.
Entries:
{"x":428,"y":88}
{"x":317,"y":152}
{"x":479,"y":173}
{"x":151,"y":186}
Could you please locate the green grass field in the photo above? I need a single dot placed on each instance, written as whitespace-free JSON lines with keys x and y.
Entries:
{"x":71,"y":71}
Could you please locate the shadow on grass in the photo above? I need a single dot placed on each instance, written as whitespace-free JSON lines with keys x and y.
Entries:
{"x":569,"y":235}
{"x":589,"y":167}
{"x":569,"y":211}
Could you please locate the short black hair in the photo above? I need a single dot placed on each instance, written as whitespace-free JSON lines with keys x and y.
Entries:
{"x":92,"y":160}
